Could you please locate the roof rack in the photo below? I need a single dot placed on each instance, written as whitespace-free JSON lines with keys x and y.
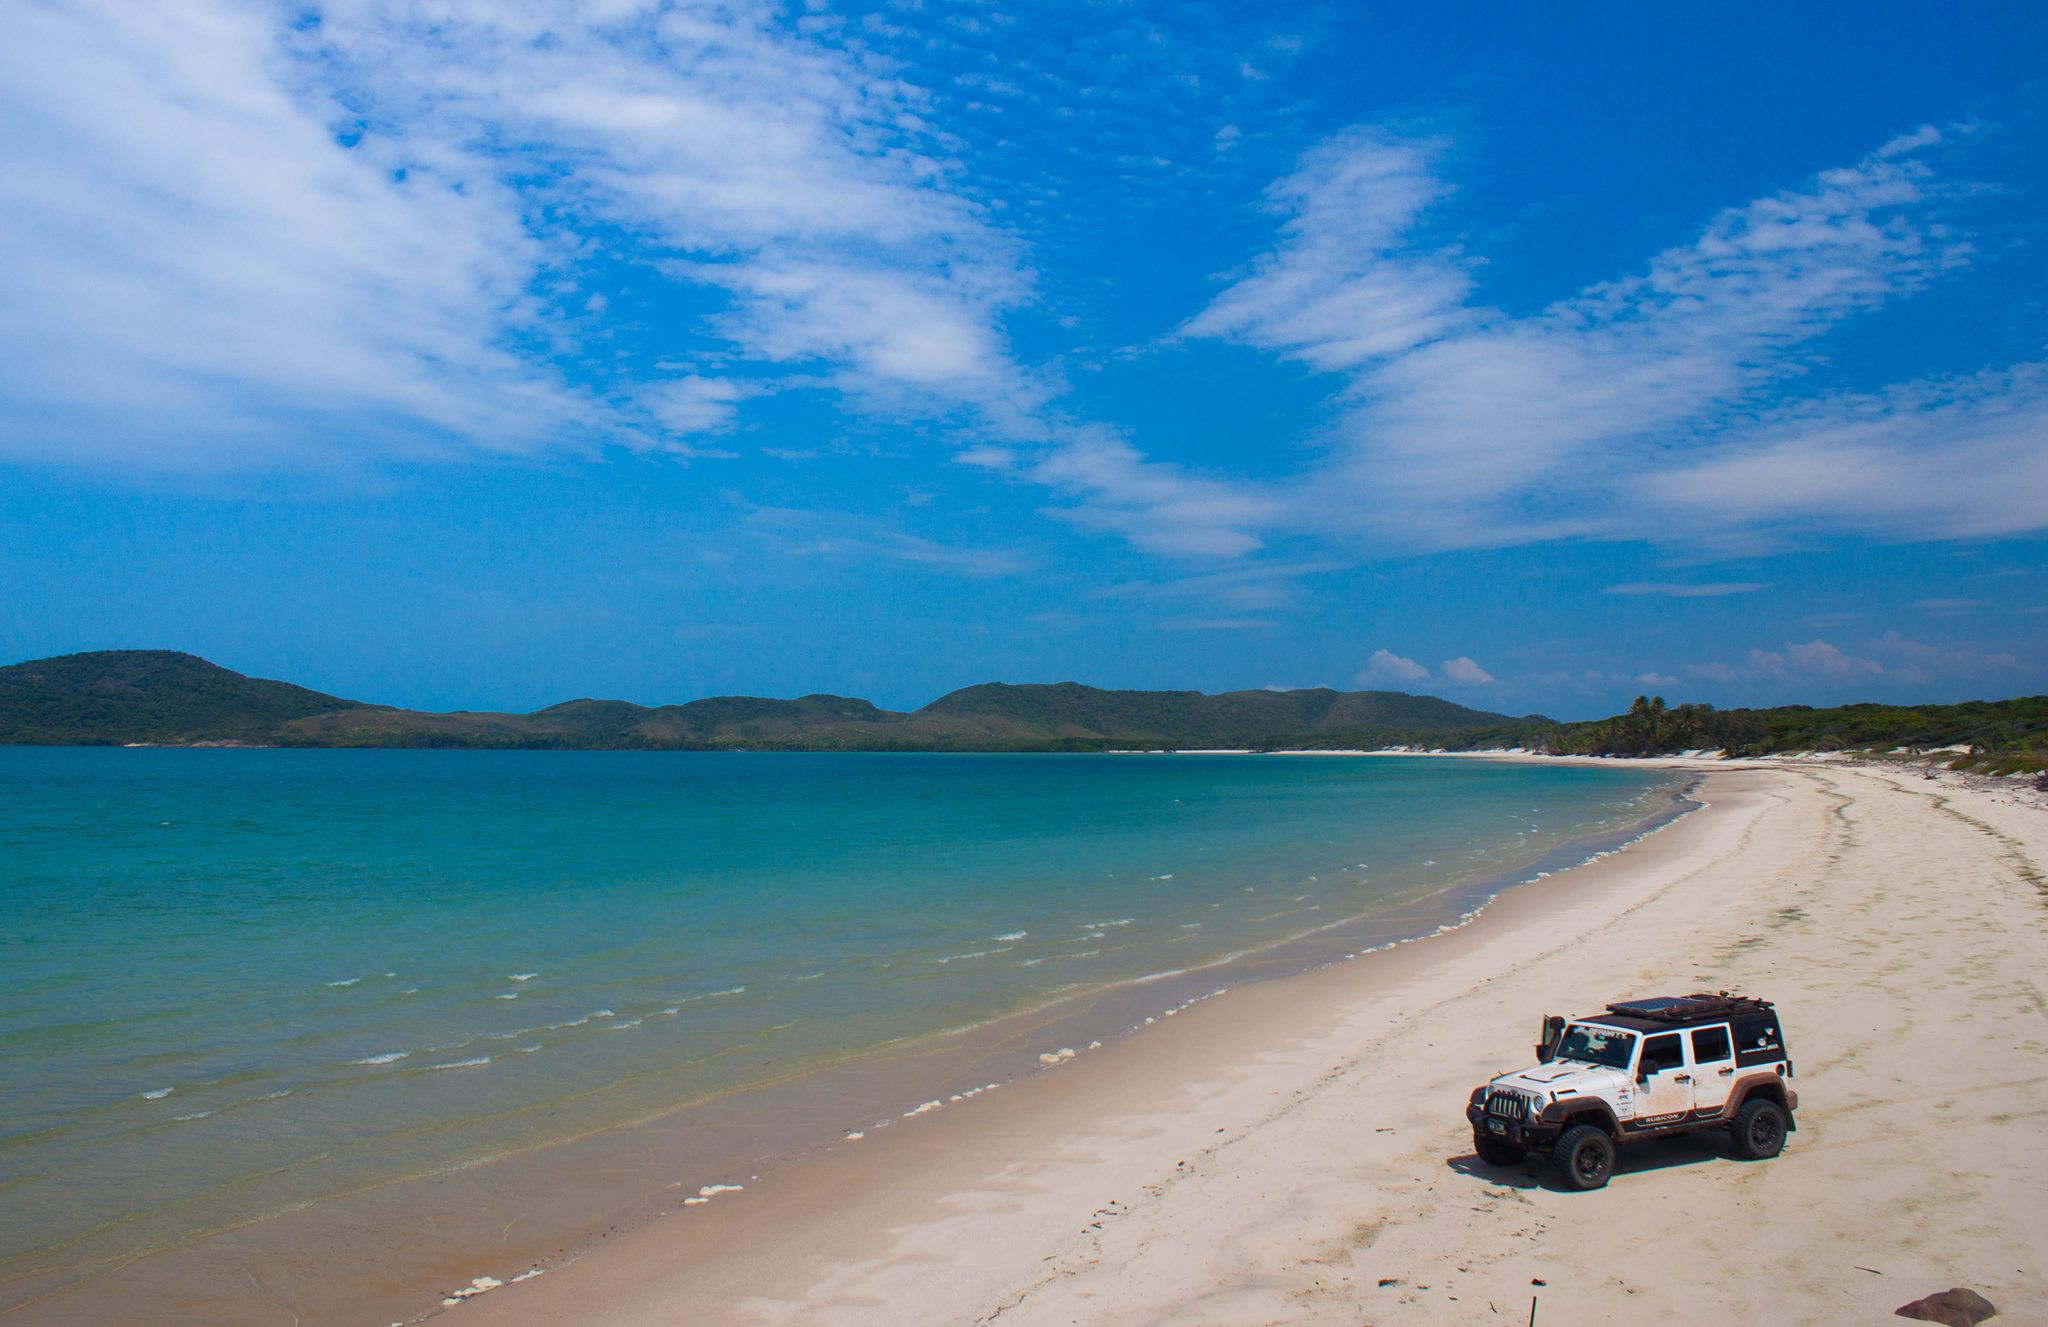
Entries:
{"x":1690,"y":1008}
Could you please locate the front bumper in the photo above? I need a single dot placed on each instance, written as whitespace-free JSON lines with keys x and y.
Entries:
{"x":1527,"y":1134}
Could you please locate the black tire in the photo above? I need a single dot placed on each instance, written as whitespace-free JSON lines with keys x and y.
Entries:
{"x":1585,"y":1157}
{"x":1496,"y":1151}
{"x":1759,"y":1129}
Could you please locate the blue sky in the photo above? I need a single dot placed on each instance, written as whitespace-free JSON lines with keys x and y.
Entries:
{"x":484,"y":355}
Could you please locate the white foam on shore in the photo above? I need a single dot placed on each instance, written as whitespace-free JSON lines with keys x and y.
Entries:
{"x":976,"y":953}
{"x":1013,"y":935}
{"x":463,"y":1064}
{"x":389,"y":1057}
{"x":157,"y":1095}
{"x":710,"y":1191}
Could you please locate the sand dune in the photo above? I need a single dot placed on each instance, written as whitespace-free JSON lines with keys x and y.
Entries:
{"x":1296,"y":1152}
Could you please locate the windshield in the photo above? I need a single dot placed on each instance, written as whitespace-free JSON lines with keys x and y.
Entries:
{"x":1597,"y":1045}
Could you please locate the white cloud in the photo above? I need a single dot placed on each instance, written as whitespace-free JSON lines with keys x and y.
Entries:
{"x":1656,"y":680}
{"x":1895,"y":657}
{"x":1464,"y":670}
{"x":198,"y":268}
{"x":1640,"y":407}
{"x":1931,"y":459}
{"x":695,"y":404}
{"x":1340,"y":290}
{"x":238,"y":232}
{"x":1814,"y":657}
{"x":1159,"y":507}
{"x":1387,"y":666}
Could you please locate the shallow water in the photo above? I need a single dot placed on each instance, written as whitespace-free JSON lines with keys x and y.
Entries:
{"x":239,"y":981}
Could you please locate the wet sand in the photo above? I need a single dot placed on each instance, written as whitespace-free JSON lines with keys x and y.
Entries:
{"x":1296,"y":1151}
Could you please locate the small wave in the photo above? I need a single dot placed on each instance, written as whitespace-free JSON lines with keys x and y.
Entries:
{"x":524,"y":1050}
{"x":157,"y":1095}
{"x":347,"y":981}
{"x":524,"y":976}
{"x":808,"y":976}
{"x":1167,"y":876}
{"x":509,"y":995}
{"x":572,"y":1023}
{"x":196,"y":1115}
{"x":278,"y":1095}
{"x":602,"y":1013}
{"x":389,"y":1057}
{"x":1013,"y":935}
{"x":463,"y":1064}
{"x":628,"y":1025}
{"x":976,"y":953}
{"x":1115,"y":921}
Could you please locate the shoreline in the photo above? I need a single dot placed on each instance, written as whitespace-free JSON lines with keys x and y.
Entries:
{"x":566,"y":1196}
{"x":960,"y":1217}
{"x":1297,"y":1152}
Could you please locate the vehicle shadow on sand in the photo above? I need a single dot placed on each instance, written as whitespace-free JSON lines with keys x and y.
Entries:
{"x":1535,"y":1171}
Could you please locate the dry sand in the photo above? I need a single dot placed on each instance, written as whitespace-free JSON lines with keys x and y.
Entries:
{"x":1296,"y":1152}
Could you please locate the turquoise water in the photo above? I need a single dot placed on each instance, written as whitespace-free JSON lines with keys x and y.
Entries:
{"x":238,"y":980}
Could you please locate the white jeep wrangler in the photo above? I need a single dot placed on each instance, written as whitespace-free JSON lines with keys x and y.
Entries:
{"x":1642,"y":1069}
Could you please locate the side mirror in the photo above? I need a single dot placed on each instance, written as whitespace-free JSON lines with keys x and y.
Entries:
{"x":1643,"y":1077}
{"x":1553,"y":1032}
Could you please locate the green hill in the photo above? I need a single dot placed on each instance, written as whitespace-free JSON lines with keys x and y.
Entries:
{"x":117,"y":696}
{"x":164,"y":697}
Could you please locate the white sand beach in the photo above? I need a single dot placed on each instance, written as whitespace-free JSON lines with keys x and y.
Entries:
{"x":1295,"y":1151}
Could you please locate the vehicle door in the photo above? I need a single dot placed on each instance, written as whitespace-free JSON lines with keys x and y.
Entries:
{"x":1713,"y":1069}
{"x":1663,"y":1080}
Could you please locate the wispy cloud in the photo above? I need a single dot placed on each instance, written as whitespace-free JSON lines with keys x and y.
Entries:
{"x":839,"y":537}
{"x":1687,"y":589}
{"x":372,"y":227}
{"x":1639,"y":407}
{"x":1159,"y":507}
{"x":1894,"y":657}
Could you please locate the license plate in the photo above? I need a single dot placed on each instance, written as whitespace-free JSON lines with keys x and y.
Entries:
{"x":1496,"y":1126}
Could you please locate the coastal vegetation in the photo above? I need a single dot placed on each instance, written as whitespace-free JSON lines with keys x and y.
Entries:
{"x":1998,"y":737}
{"x":164,"y":697}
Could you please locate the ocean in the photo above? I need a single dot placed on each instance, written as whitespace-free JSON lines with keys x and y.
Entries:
{"x":238,"y":982}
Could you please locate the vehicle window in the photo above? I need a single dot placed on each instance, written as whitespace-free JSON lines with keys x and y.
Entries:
{"x":1661,"y":1053}
{"x":1597,"y":1045}
{"x":1757,"y":1032}
{"x":1710,"y":1045}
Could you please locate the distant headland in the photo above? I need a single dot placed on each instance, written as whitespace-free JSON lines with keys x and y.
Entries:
{"x":169,"y":698}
